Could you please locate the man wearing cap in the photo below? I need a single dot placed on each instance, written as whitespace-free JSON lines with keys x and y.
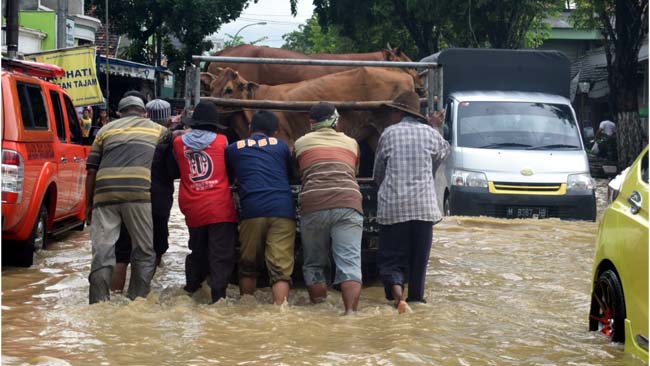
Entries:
{"x":163,"y":172}
{"x":330,"y":207}
{"x":118,"y":191}
{"x":406,"y":154}
{"x":261,"y":166}
{"x":206,"y":201}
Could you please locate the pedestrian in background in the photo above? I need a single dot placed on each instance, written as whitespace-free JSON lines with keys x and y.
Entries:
{"x":206,"y":201}
{"x":330,"y":207}
{"x":261,"y":166}
{"x":406,"y":154}
{"x":86,"y":122}
{"x":118,"y":191}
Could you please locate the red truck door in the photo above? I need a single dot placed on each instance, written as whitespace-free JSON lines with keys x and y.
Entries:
{"x":77,"y":154}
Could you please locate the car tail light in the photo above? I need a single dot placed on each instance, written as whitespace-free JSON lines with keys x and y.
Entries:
{"x":12,"y":176}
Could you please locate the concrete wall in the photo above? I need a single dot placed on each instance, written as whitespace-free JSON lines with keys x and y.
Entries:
{"x":45,"y":21}
{"x":74,"y":6}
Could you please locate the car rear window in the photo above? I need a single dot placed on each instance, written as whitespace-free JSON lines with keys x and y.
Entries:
{"x":32,"y":107}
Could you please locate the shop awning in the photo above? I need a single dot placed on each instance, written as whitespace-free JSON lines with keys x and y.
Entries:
{"x":130,"y":69}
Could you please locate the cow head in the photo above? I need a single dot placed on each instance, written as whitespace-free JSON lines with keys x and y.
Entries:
{"x":397,"y":54}
{"x":231,"y":85}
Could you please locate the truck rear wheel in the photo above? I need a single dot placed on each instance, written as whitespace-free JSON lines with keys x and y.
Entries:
{"x":446,"y":207}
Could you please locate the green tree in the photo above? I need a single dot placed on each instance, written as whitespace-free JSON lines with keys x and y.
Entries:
{"x":238,"y":40}
{"x":153,"y":25}
{"x":508,"y":23}
{"x":310,"y":38}
{"x":427,"y":26}
{"x":623,"y":24}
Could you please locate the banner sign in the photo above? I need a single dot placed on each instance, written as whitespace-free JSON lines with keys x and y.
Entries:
{"x":80,"y":79}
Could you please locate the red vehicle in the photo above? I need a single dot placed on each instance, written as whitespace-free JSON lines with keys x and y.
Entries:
{"x":43,"y":160}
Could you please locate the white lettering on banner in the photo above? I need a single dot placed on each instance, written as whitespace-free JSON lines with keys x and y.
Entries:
{"x":129,"y":71}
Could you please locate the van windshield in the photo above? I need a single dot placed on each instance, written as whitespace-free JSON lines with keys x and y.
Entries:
{"x":517,"y":125}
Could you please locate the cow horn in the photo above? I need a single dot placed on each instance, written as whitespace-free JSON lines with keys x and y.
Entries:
{"x":388,"y":46}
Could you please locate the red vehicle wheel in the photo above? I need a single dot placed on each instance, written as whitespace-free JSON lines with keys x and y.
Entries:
{"x":608,"y":307}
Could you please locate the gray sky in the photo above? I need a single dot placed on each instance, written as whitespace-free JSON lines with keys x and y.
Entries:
{"x":276,"y":14}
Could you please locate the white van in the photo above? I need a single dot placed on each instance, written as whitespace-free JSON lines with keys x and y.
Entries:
{"x":515,"y":153}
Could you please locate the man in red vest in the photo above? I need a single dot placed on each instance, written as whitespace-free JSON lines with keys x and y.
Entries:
{"x":206,"y":201}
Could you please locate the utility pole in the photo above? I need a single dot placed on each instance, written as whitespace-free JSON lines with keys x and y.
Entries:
{"x":108,"y":67}
{"x":12,"y":27}
{"x":61,"y":29}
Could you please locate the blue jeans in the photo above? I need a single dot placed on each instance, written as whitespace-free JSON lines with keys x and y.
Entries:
{"x":339,"y":229}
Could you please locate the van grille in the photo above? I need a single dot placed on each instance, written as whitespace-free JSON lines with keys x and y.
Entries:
{"x":527,"y":188}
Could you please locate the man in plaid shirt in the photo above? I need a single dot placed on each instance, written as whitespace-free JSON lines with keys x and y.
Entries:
{"x":407,"y":210}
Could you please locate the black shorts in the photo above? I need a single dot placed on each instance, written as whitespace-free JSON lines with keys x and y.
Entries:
{"x":160,"y":239}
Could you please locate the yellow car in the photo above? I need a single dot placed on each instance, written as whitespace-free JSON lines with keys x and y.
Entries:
{"x":619,"y":300}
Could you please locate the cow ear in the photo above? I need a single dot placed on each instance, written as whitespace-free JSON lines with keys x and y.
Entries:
{"x":251,"y":86}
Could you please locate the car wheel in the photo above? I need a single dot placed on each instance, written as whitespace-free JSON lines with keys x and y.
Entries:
{"x":38,"y":239}
{"x":23,"y":252}
{"x":446,"y":207}
{"x":608,"y":307}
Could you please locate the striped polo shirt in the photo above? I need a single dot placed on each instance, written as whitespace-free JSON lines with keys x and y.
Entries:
{"x":122,"y":154}
{"x":328,"y":161}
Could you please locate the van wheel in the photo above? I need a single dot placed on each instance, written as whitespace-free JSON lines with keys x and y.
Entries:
{"x":607,"y":313}
{"x":446,"y":207}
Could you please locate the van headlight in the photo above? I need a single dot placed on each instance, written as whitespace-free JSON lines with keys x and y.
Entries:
{"x":580,"y":182}
{"x":469,"y":179}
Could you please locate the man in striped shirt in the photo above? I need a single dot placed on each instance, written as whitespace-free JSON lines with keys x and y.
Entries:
{"x":118,"y":187}
{"x":330,"y":207}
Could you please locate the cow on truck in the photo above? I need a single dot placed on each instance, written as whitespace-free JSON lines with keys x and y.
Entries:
{"x":43,"y":160}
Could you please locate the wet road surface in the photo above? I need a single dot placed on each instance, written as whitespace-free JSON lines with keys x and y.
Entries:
{"x":500,"y":292}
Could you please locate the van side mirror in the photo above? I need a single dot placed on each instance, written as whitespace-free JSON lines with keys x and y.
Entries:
{"x":446,"y":132}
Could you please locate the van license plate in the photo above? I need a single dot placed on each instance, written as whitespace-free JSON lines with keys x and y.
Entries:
{"x":527,"y":212}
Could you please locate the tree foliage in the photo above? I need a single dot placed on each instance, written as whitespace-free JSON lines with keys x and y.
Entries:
{"x":179,"y":26}
{"x":623,"y":24}
{"x":311,"y":38}
{"x":238,"y":40}
{"x":427,"y":26}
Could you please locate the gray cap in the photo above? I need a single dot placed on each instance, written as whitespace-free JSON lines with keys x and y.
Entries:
{"x":130,"y":101}
{"x":159,"y":110}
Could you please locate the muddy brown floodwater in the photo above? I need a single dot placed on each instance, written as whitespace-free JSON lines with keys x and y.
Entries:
{"x":500,"y":292}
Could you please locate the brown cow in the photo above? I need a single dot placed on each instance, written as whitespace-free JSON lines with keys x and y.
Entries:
{"x":358,"y":84}
{"x":276,"y":74}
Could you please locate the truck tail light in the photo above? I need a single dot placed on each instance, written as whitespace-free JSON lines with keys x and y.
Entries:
{"x":13,"y":170}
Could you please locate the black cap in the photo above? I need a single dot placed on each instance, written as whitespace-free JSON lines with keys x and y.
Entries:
{"x":205,"y":114}
{"x":264,"y":121}
{"x":321,"y":111}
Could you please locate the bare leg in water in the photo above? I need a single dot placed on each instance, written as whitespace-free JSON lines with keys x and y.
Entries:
{"x":317,"y":292}
{"x":119,"y":277}
{"x":351,"y":292}
{"x":398,"y":296}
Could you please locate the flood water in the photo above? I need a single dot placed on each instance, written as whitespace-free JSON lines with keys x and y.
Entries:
{"x":500,"y":292}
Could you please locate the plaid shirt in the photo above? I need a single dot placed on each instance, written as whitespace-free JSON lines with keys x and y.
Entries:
{"x":405,"y":157}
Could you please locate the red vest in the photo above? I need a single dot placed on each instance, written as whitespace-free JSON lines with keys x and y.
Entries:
{"x":204,"y":196}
